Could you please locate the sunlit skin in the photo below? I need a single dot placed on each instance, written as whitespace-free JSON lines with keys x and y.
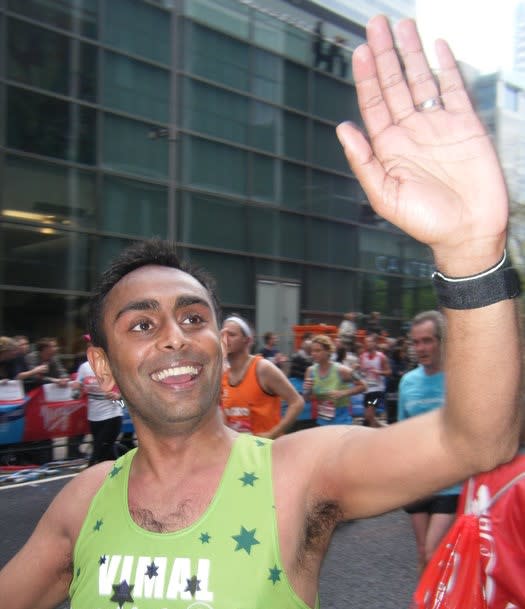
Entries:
{"x":164,"y":349}
{"x":427,"y":346}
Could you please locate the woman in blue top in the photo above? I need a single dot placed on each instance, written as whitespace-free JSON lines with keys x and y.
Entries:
{"x":330,"y":383}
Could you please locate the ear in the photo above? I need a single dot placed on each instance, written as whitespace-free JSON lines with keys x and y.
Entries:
{"x":98,"y":360}
{"x":224,"y":344}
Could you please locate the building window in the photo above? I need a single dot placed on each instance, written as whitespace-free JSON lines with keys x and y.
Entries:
{"x":138,"y":28}
{"x":127,"y":148}
{"x":77,"y":16}
{"x":133,"y":208}
{"x":52,"y":127}
{"x":44,"y":59}
{"x":48,"y":193}
{"x":136,"y":87}
{"x":511,"y":98}
{"x":216,"y":57}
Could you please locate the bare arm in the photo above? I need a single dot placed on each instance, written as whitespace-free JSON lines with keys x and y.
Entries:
{"x":274,"y":381}
{"x":38,"y":577}
{"x":434,"y":174}
{"x":357,"y":384}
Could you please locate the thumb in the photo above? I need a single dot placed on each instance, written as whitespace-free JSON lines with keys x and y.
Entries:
{"x":363,"y":163}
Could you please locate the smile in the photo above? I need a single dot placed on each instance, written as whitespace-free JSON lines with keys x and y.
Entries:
{"x":177,"y":373}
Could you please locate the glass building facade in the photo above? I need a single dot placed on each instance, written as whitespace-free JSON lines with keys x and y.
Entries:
{"x":206,"y":122}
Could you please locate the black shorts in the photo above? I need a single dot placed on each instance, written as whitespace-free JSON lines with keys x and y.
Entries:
{"x":435,"y":504}
{"x":374,"y":399}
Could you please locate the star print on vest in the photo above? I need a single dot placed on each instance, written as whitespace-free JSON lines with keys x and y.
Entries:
{"x":122,"y":593}
{"x":245,"y":540}
{"x":221,"y":561}
{"x":248,"y":479}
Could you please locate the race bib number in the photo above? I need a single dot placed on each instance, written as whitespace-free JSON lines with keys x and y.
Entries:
{"x":326,"y":410}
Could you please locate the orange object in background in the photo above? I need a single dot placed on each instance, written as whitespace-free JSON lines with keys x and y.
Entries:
{"x":300,"y":331}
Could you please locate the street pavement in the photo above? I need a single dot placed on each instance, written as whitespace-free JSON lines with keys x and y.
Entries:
{"x":370,"y":563}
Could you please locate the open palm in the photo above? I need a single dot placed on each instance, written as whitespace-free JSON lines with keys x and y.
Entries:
{"x":432,"y":173}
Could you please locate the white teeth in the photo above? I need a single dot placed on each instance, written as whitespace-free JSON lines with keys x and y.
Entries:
{"x":179,"y":371}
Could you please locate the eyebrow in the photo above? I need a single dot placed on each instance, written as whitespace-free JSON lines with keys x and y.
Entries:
{"x":154,"y":305}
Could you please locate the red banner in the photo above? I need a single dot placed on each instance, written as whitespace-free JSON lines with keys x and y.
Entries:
{"x":45,"y":420}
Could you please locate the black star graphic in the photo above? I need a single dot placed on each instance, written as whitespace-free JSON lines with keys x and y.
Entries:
{"x":102,"y":560}
{"x":152,"y":570}
{"x":114,"y":471}
{"x":248,"y":479}
{"x":275,"y":575}
{"x":260,"y":443}
{"x":205,"y":538}
{"x":122,"y":593}
{"x":192,"y":585}
{"x":78,"y":571}
{"x":98,"y":525}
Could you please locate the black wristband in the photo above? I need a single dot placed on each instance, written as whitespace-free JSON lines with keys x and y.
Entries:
{"x":497,"y":283}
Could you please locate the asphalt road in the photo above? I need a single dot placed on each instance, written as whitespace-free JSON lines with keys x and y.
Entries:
{"x":370,"y":563}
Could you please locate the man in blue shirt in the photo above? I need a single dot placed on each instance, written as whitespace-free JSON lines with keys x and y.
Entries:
{"x":422,"y":390}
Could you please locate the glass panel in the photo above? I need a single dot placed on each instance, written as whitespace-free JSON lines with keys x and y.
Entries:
{"x":44,"y":258}
{"x":128,"y":148}
{"x":336,"y":196}
{"x":200,"y":215}
{"x":229,"y":16}
{"x":275,"y":234}
{"x":294,"y":187}
{"x":216,"y":57}
{"x":108,"y":248}
{"x":332,"y":243}
{"x":51,"y":61}
{"x":267,"y":76}
{"x":394,"y":253}
{"x":36,"y":315}
{"x":295,"y":134}
{"x":297,"y":44}
{"x":214,"y":166}
{"x":334,"y":100}
{"x":52,"y":127}
{"x":136,"y":87}
{"x":46,"y":193}
{"x":138,"y":28}
{"x":331,"y":290}
{"x":265,"y":127}
{"x":295,"y":86}
{"x":134,"y":207}
{"x":268,"y":32}
{"x":78,"y":16}
{"x":232,"y":274}
{"x":215,"y":111}
{"x":278,"y":269}
{"x":326,"y":150}
{"x":265,"y":181}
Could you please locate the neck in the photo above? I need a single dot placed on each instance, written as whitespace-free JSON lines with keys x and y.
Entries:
{"x":433,"y":369}
{"x":237,"y":361}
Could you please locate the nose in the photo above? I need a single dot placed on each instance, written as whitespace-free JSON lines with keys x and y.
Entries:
{"x":171,"y":337}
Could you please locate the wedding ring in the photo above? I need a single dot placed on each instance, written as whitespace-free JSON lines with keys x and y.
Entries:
{"x":428,"y":104}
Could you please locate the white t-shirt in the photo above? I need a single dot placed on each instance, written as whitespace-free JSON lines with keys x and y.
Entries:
{"x":99,"y":407}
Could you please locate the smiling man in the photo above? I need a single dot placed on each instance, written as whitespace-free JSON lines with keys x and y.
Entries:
{"x":200,"y":516}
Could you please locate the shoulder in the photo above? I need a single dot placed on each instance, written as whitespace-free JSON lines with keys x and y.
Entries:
{"x":65,"y":515}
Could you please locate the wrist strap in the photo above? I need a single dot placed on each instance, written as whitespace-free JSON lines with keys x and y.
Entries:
{"x":500,"y":282}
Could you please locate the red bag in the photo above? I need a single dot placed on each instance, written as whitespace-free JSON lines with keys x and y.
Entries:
{"x":453,"y":579}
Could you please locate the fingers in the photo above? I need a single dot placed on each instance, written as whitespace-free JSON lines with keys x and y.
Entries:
{"x":420,"y":79}
{"x":453,"y":93}
{"x":364,"y":164}
{"x":380,"y":82}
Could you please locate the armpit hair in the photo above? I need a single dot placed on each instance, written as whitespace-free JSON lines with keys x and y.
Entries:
{"x":319,"y":525}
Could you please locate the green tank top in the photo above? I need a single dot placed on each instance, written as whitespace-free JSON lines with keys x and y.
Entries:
{"x":330,"y":382}
{"x":228,"y":559}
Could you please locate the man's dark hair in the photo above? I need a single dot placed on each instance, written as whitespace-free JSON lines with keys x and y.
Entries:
{"x":141,"y":253}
